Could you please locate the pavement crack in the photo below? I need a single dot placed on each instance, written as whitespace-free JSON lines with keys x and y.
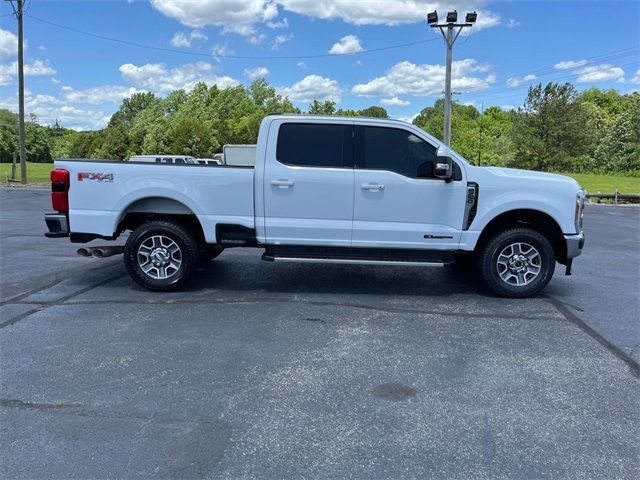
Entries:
{"x":632,"y":364}
{"x":26,"y":404}
{"x":60,"y":301}
{"x":380,"y":308}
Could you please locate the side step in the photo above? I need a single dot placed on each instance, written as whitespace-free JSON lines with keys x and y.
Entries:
{"x":358,"y":256}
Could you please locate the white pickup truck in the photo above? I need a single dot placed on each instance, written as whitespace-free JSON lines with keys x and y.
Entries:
{"x":327,"y":189}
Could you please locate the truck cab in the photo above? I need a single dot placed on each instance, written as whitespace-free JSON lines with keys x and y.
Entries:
{"x":334,"y":189}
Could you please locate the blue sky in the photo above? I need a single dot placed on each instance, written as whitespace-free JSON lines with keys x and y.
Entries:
{"x":336,"y":49}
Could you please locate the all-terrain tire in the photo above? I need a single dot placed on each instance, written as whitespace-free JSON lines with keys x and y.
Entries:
{"x":517,"y":263}
{"x":161,"y":255}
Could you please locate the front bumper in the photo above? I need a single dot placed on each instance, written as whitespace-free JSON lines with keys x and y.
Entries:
{"x":57,"y":224}
{"x":575,"y":243}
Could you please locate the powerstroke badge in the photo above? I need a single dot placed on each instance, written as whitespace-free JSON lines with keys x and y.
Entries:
{"x":98,"y":177}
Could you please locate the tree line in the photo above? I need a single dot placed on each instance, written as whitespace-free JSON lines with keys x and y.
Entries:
{"x":556,"y":129}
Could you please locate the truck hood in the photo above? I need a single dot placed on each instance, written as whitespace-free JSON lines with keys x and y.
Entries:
{"x":516,"y":175}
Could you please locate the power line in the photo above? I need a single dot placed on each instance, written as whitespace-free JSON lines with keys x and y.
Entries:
{"x":552,"y":70}
{"x":211,"y":55}
{"x":497,"y":91}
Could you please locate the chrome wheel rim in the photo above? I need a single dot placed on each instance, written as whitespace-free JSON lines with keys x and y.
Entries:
{"x":519,"y":264}
{"x":159,"y":257}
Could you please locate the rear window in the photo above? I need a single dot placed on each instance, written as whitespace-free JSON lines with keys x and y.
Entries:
{"x":315,"y":145}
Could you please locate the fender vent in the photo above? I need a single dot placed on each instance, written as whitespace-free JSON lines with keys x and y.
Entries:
{"x":471,"y":204}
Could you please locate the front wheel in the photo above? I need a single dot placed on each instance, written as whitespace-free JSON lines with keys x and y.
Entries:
{"x":517,"y":263}
{"x":161,"y":255}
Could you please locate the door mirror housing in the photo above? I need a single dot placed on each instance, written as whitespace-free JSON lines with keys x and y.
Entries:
{"x":444,"y":165}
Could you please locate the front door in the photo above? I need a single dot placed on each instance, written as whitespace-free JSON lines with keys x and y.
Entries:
{"x":308,"y":186}
{"x":398,"y":201}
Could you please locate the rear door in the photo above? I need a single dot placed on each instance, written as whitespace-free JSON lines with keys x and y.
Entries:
{"x":308,"y":183}
{"x":398,"y":201}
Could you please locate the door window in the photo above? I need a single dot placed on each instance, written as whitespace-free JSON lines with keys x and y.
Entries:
{"x":315,"y":145}
{"x":395,"y":150}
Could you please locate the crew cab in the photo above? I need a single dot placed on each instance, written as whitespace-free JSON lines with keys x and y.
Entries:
{"x":327,"y":189}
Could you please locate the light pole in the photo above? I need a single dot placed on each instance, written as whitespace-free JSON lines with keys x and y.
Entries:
{"x":18,"y":11}
{"x":447,"y":30}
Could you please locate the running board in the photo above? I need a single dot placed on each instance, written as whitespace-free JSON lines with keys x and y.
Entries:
{"x":354,"y":261}
{"x":358,"y":256}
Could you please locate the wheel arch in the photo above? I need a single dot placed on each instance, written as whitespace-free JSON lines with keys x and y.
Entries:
{"x":538,"y":220}
{"x":144,"y":209}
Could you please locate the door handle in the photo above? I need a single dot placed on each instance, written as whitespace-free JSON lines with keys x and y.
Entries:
{"x":282,"y":183}
{"x":372,"y":187}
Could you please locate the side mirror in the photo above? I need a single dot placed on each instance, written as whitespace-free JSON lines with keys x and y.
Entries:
{"x":444,"y":170}
{"x":444,"y":165}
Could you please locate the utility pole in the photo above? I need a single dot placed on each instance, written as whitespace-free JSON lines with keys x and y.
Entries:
{"x":450,"y":37}
{"x":481,"y":138}
{"x":18,"y":10}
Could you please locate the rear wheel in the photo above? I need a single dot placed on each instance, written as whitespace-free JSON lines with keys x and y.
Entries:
{"x":161,"y":255}
{"x":517,"y":263}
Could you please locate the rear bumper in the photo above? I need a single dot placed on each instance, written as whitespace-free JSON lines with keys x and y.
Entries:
{"x":575,"y":243}
{"x":57,"y":224}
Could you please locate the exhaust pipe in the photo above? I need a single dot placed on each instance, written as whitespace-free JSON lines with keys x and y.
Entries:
{"x":103,"y":252}
{"x":85,"y":251}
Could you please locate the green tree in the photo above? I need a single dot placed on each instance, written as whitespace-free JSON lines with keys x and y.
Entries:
{"x":619,"y":151}
{"x":328,"y":107}
{"x":549,"y":133}
{"x":374,"y":111}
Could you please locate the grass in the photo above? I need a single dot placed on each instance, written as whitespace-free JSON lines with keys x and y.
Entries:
{"x":594,"y":182}
{"x":38,"y":173}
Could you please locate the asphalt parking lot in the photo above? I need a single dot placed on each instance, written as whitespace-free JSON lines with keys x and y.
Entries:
{"x":260,"y":370}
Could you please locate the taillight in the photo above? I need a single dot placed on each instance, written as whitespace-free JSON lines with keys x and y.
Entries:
{"x":60,"y":189}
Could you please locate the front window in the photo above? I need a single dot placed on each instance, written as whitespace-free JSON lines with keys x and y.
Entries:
{"x":398,"y":151}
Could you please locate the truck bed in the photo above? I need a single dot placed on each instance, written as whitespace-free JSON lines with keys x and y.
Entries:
{"x":101,"y":192}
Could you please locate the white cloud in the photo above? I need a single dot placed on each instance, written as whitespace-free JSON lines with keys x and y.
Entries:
{"x":49,"y":109}
{"x":8,"y":44}
{"x":636,"y":78}
{"x":409,"y":119}
{"x":600,"y":73}
{"x":156,"y":77}
{"x":183,"y":40}
{"x":313,"y":87}
{"x":220,"y":51}
{"x":379,"y":12}
{"x":283,"y":24}
{"x":241,"y":16}
{"x":406,"y":78}
{"x":302,"y":65}
{"x":257,"y":39}
{"x":346,"y":45}
{"x":37,"y":68}
{"x":513,"y":82}
{"x":279,"y":40}
{"x":237,"y":16}
{"x":487,"y":19}
{"x":394,"y":102}
{"x":180,"y":40}
{"x":512,"y":23}
{"x":569,"y":64}
{"x":98,"y":95}
{"x":257,"y":72}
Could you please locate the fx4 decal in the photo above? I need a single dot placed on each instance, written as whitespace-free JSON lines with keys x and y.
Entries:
{"x":99,"y":177}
